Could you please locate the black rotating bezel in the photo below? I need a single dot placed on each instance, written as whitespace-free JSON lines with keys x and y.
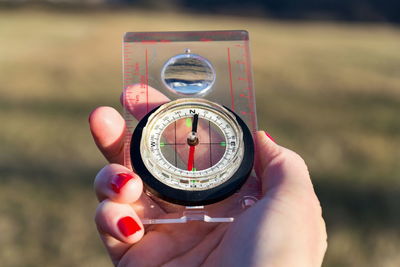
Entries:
{"x":187,"y":197}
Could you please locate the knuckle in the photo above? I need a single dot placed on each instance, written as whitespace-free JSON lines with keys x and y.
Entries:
{"x":297,"y":159}
{"x":100,"y":180}
{"x":99,"y":214}
{"x":106,"y":172}
{"x":305,"y":200}
{"x":102,"y":211}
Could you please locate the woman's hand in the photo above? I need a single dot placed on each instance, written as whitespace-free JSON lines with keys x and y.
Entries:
{"x":284,"y":228}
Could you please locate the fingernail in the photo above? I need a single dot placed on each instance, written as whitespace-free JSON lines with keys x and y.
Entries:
{"x":270,"y":137}
{"x":119,"y":180}
{"x":128,"y":226}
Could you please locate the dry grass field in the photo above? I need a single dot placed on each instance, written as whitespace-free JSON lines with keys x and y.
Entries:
{"x":329,"y":91}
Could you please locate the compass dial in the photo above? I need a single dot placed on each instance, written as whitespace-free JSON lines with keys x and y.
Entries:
{"x":192,"y":146}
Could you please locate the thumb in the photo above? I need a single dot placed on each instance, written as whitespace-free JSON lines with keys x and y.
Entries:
{"x":277,"y":166}
{"x":266,"y":149}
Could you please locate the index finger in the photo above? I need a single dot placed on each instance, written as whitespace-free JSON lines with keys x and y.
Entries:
{"x":108,"y":126}
{"x":140,"y":99}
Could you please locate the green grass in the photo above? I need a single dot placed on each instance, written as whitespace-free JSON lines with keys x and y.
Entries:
{"x":328,"y":91}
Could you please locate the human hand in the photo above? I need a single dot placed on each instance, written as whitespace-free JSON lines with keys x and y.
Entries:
{"x":284,"y":228}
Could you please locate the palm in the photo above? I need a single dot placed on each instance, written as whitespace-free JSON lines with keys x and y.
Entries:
{"x":191,"y":243}
{"x":188,"y":244}
{"x":226,"y":244}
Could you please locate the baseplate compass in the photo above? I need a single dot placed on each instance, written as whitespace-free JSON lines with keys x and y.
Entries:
{"x":193,"y":146}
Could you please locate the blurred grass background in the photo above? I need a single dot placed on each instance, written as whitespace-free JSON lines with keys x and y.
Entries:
{"x":330,"y":91}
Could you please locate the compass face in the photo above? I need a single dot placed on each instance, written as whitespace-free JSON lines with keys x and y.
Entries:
{"x":192,"y":149}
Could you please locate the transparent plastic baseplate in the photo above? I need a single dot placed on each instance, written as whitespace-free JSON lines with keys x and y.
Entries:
{"x":212,"y":65}
{"x":195,"y":213}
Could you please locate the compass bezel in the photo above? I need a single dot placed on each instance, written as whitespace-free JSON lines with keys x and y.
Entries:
{"x":192,"y":197}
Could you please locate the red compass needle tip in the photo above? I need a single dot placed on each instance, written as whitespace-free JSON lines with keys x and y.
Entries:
{"x":191,"y":157}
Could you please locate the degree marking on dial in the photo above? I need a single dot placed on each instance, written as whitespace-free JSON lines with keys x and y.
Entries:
{"x":209,"y":136}
{"x":176,"y":156}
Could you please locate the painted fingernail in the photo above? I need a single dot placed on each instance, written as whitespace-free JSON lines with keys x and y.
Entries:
{"x":128,"y":226}
{"x":119,"y":180}
{"x":270,"y":137}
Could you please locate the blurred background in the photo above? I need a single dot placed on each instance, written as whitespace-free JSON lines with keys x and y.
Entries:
{"x":327,"y":78}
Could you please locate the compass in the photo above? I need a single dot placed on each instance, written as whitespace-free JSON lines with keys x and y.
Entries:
{"x":192,"y":152}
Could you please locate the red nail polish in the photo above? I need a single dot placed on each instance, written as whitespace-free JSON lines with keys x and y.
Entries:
{"x":270,"y":137}
{"x":128,"y":226}
{"x":119,"y":180}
